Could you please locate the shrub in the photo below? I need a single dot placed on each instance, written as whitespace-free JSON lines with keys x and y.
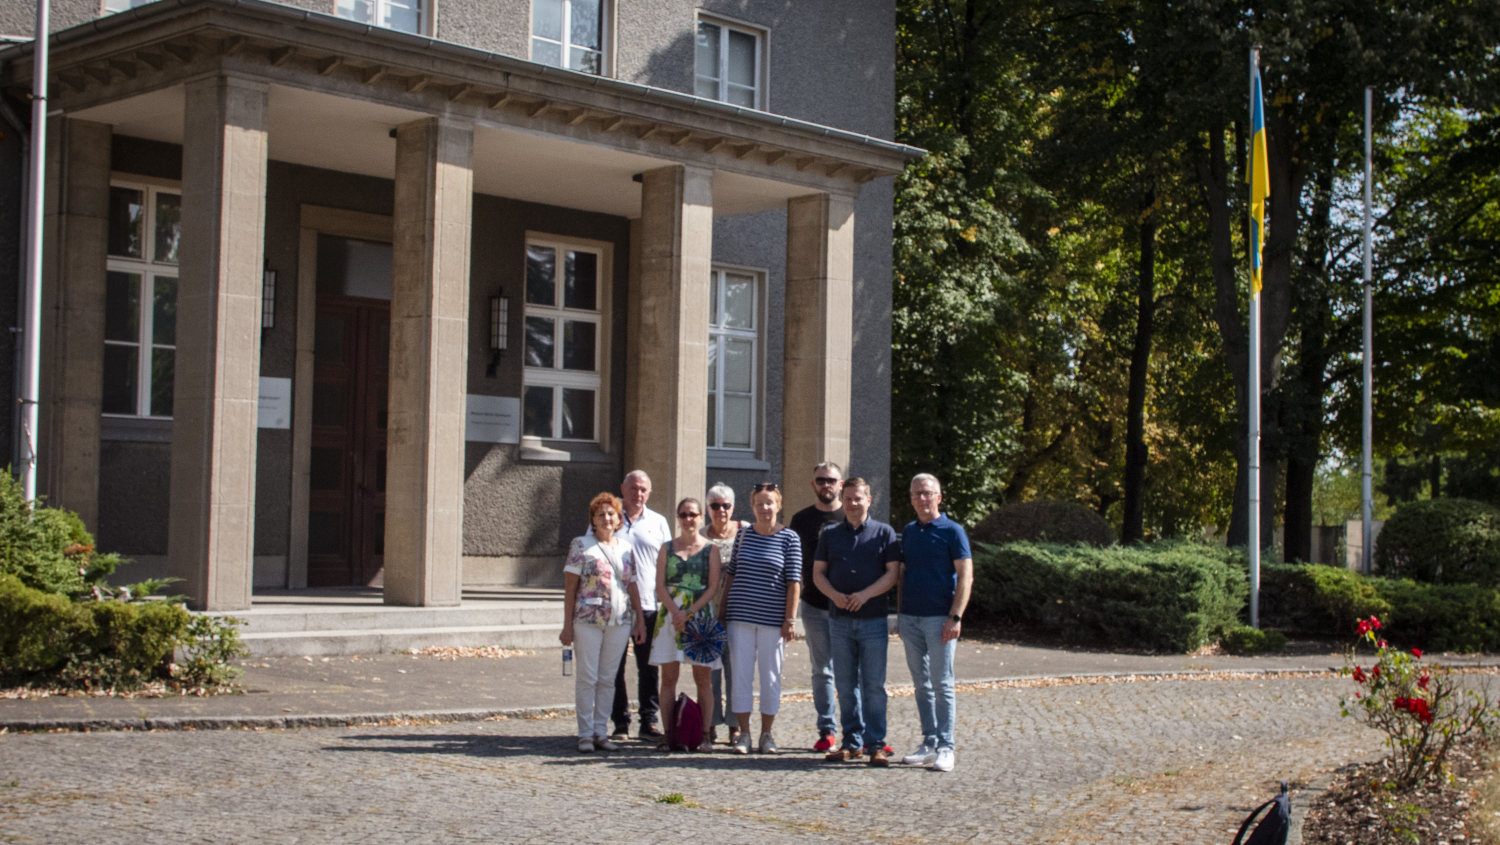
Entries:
{"x":1050,"y":522}
{"x":1442,"y":541}
{"x":38,"y":631}
{"x":1243,"y":639}
{"x":208,"y":645}
{"x":109,"y":643}
{"x":49,"y":549}
{"x":1167,"y":596}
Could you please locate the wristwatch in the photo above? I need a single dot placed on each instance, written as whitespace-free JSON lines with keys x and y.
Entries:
{"x":955,"y":617}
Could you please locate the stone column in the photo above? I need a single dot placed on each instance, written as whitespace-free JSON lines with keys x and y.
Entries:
{"x":211,"y":534}
{"x":77,"y":229}
{"x":819,"y":318}
{"x":429,"y":349}
{"x":668,"y":373}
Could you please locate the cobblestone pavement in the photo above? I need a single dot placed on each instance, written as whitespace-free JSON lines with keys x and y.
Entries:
{"x":1164,"y":761}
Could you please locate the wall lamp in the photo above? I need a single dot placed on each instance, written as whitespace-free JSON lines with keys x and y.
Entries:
{"x":499,"y":331}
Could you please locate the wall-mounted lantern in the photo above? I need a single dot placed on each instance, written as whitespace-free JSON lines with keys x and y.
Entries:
{"x":268,"y":300}
{"x":499,"y":331}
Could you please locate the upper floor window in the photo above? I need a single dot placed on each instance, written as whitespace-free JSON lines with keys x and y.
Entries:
{"x":140,"y":300}
{"x":111,"y":6}
{"x":733,"y":338}
{"x":568,"y":33}
{"x":403,"y":15}
{"x":729,"y":64}
{"x":563,"y":340}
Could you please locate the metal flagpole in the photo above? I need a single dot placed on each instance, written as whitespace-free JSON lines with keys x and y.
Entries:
{"x":1367,"y":474}
{"x":32,"y":331}
{"x":1254,"y":480}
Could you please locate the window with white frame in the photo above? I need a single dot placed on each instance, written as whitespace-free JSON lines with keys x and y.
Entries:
{"x":564,"y":333}
{"x":140,"y":300}
{"x":569,"y":33}
{"x":733,"y":341}
{"x":402,"y":15}
{"x":729,"y":63}
{"x":112,"y":6}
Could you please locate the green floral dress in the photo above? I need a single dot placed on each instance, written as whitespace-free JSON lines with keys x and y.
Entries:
{"x":686,"y":580}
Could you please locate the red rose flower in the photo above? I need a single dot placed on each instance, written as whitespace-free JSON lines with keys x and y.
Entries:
{"x":1416,"y":652}
{"x":1383,"y":644}
{"x":1422,"y":681}
{"x":1374,"y":671}
{"x":1359,"y":675}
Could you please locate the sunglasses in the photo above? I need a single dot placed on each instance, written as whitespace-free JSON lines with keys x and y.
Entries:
{"x":689,"y":515}
{"x":821,"y":480}
{"x":764,"y":487}
{"x":720,"y":506}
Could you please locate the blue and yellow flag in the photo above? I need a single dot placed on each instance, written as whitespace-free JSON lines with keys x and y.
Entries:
{"x":1260,"y":182}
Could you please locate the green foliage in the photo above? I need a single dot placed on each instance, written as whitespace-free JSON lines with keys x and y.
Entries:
{"x":1442,"y":541}
{"x":1052,"y":522}
{"x":1170,"y":596}
{"x":39,"y":631}
{"x":208,"y":645}
{"x":49,"y":549}
{"x":1332,"y":600}
{"x":1242,"y":639}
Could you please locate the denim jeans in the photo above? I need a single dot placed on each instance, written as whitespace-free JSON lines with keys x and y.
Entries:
{"x":815,"y":628}
{"x":859,"y":652}
{"x":931,"y":663}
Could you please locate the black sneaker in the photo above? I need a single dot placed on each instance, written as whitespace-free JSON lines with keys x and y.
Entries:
{"x":620,"y":734}
{"x":650,"y":732}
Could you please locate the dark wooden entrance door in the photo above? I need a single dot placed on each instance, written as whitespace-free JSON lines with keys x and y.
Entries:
{"x":346,"y":525}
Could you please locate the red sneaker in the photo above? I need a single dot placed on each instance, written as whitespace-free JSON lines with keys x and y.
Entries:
{"x":824,"y":744}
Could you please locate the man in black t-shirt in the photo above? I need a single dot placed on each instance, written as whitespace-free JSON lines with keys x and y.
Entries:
{"x":827,"y":484}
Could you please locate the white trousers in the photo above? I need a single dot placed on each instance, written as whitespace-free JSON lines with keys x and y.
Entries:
{"x":597,"y":651}
{"x":752,"y":647}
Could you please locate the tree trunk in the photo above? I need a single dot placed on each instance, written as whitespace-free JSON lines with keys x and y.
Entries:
{"x":1133,"y":528}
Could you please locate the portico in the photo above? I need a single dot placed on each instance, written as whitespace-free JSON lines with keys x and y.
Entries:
{"x":463,"y":148}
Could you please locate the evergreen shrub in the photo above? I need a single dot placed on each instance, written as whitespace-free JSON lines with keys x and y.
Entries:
{"x":1243,"y":639}
{"x":1170,"y":596}
{"x":1044,"y":522}
{"x":1441,"y":541}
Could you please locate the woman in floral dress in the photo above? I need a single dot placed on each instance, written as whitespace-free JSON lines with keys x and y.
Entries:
{"x":687,"y":580}
{"x":602,"y":611}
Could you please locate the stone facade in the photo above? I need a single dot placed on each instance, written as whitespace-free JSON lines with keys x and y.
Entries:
{"x":282,"y":126}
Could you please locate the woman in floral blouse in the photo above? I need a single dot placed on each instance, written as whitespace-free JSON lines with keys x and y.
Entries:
{"x":602,"y":612}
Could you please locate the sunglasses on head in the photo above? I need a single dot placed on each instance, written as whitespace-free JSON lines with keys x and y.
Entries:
{"x":765,"y":487}
{"x":721,"y":506}
{"x":688,"y":515}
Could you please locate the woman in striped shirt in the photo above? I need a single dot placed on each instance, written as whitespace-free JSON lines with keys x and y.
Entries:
{"x":762,"y":585}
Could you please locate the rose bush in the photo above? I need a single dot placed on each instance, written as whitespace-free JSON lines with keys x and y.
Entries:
{"x":1422,"y":709}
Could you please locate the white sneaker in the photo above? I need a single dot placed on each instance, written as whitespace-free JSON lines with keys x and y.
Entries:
{"x":742,"y":744}
{"x":923,"y":756}
{"x":768,"y":744}
{"x":585,"y":745}
{"x":604,"y":744}
{"x":944,"y":760}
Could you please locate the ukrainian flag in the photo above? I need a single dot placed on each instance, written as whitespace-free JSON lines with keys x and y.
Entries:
{"x":1260,"y":181}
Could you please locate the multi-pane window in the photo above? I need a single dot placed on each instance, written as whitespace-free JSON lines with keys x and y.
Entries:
{"x":563,"y":338}
{"x":140,"y":300}
{"x":568,"y":33}
{"x":728,"y":64}
{"x":732,"y":340}
{"x":403,"y":15}
{"x":111,"y":6}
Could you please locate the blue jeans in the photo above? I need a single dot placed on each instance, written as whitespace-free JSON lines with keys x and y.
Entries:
{"x":859,"y":652}
{"x":815,"y":627}
{"x":931,"y":663}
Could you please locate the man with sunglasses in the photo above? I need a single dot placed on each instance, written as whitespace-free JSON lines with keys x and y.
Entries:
{"x":828,"y":509}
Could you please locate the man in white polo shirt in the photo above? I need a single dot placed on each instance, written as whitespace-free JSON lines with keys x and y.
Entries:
{"x":646,"y":531}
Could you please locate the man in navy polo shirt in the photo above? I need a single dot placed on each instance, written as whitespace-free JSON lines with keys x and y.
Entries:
{"x":856,"y":565}
{"x":935,"y":585}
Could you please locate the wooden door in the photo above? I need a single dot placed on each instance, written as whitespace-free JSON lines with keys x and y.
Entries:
{"x":351,"y":376}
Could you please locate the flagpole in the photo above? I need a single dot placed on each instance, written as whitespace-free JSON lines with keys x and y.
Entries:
{"x":1367,"y":474}
{"x":1254,"y":445}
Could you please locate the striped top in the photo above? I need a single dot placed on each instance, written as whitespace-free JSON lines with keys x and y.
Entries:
{"x":762,"y":568}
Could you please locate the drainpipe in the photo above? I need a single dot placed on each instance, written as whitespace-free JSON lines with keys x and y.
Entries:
{"x":32,"y":376}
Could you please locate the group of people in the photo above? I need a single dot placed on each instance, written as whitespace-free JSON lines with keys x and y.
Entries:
{"x":629,"y":579}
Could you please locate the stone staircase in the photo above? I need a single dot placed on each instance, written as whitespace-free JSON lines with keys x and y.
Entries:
{"x":354,"y":621}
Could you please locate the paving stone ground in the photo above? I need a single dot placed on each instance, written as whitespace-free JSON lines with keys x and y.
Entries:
{"x":1163,"y":761}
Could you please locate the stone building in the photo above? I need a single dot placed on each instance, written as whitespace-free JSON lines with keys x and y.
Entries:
{"x":381,"y":292}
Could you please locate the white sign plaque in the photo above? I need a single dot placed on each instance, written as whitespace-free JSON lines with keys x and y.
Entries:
{"x":275,"y":407}
{"x":493,"y":419}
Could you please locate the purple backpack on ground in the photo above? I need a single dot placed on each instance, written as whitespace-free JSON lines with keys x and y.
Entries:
{"x":687,"y":724}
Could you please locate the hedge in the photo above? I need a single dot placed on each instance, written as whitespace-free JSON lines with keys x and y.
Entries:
{"x":1170,"y":596}
{"x":1331,"y":600}
{"x":43,"y":632}
{"x":1442,"y":541}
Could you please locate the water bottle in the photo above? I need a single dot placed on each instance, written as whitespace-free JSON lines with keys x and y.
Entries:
{"x":567,"y":662}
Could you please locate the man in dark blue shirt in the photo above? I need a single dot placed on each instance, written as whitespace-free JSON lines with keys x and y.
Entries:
{"x":935,"y":584}
{"x":856,"y":565}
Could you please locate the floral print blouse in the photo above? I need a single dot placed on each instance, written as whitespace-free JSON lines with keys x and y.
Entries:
{"x":604,"y":577}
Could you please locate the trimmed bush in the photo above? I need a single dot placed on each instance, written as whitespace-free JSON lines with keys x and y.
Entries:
{"x":1247,"y":640}
{"x":1442,"y":541}
{"x":48,"y":549}
{"x":38,"y":631}
{"x":1166,"y":597}
{"x":46,"y":633}
{"x":1330,"y":600}
{"x":1044,"y":522}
